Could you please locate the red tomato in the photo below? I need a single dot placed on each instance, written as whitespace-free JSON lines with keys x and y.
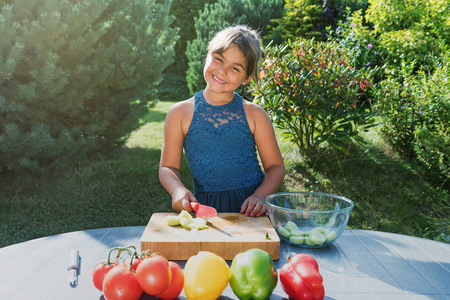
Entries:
{"x":176,"y":285}
{"x":120,"y":283}
{"x":154,"y":275}
{"x":99,"y":272}
{"x":136,"y":262}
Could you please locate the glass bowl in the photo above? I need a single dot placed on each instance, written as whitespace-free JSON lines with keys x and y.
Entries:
{"x":309,"y":219}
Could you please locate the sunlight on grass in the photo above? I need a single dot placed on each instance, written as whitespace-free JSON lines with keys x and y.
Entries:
{"x":150,"y":135}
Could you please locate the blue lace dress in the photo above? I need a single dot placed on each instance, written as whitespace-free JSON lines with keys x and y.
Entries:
{"x":221,"y":152}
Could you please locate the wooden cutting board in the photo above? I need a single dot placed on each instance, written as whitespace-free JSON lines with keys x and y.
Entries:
{"x":228,"y":234}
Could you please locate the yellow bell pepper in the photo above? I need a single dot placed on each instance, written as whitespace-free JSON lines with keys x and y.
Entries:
{"x":205,"y":276}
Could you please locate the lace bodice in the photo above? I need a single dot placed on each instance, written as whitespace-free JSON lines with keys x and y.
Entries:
{"x":220,"y":147}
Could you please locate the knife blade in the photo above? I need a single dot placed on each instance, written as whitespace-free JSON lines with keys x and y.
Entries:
{"x":74,"y":262}
{"x":211,"y":225}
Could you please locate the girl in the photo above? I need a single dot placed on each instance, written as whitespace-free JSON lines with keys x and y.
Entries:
{"x":219,"y":131}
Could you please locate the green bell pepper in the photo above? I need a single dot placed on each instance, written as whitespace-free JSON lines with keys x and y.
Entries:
{"x":253,"y":275}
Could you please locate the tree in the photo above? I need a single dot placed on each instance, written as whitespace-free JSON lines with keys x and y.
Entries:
{"x":184,"y":19}
{"x":174,"y":85}
{"x":301,"y":19}
{"x":215,"y":17}
{"x":76,"y":76}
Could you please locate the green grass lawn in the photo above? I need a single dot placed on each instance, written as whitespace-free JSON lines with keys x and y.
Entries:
{"x":122,"y":189}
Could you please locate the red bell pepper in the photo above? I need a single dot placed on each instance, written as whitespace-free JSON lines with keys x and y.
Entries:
{"x":301,"y":280}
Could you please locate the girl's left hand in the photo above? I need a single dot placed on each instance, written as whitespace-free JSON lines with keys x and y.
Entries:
{"x":254,"y":206}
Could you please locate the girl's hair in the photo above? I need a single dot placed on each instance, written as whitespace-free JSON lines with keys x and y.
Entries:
{"x":246,"y":39}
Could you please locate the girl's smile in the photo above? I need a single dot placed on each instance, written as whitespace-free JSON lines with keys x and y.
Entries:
{"x":224,"y":73}
{"x":218,"y":80}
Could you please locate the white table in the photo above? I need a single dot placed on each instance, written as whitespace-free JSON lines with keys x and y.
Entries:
{"x":361,"y":264}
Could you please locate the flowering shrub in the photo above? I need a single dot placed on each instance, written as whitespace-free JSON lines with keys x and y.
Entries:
{"x":309,"y":89}
{"x":358,"y":41}
{"x":398,"y":30}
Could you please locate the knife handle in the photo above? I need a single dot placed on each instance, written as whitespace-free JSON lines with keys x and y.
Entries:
{"x":194,"y":205}
{"x":73,"y":261}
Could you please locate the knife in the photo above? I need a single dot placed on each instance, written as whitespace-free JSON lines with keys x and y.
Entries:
{"x":73,"y":267}
{"x":203,"y":211}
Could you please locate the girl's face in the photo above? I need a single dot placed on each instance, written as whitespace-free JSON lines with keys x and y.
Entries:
{"x":226,"y":71}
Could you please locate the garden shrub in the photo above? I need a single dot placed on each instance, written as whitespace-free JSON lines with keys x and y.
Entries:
{"x":432,"y":137}
{"x":408,"y":40}
{"x":395,"y":103}
{"x":310,"y":91}
{"x":215,"y":17}
{"x":409,"y":30}
{"x":416,"y":113}
{"x":309,"y":19}
{"x":357,"y":39}
{"x":76,"y":76}
{"x":390,"y":32}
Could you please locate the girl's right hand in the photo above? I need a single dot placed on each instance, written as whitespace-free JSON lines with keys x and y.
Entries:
{"x":181,"y":198}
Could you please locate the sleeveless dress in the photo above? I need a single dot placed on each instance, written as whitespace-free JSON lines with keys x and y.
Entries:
{"x":221,"y":152}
